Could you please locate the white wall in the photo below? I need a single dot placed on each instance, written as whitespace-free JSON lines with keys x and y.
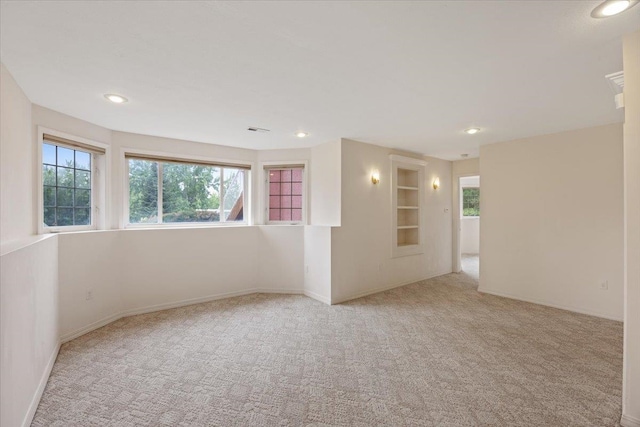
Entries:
{"x":326,"y":182}
{"x":317,"y":263}
{"x":141,"y":270}
{"x":361,"y":260}
{"x":466,"y":167}
{"x":631,"y":387}
{"x":551,"y":224}
{"x":470,"y":235}
{"x":16,"y":161}
{"x":162,"y":267}
{"x":90,"y":261}
{"x":28,"y":267}
{"x":28,"y":327}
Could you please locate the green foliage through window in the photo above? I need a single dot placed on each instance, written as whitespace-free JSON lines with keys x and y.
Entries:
{"x":190,"y":192}
{"x":471,"y":201}
{"x":66,"y":179}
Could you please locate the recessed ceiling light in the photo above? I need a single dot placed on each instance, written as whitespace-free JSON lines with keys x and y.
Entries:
{"x":301,"y":134}
{"x":471,"y":131}
{"x":116,"y":99}
{"x":612,"y":7}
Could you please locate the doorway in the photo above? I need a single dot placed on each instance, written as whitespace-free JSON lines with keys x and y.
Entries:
{"x":469,"y":225}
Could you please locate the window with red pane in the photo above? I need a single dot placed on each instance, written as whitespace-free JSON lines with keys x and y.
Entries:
{"x":285,"y":194}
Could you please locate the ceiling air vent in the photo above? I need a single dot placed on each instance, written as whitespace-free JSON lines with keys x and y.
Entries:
{"x":255,"y":129}
{"x":616,"y":83}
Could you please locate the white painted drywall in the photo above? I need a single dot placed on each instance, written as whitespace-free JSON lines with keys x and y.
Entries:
{"x":280,"y":258}
{"x":161,"y":267}
{"x":132,"y":271}
{"x":28,"y":327}
{"x":326,"y":177}
{"x":89,"y":262}
{"x":551,"y":226}
{"x":16,"y":161}
{"x":466,"y":167}
{"x":631,"y":387}
{"x":317,"y":262}
{"x":470,"y":235}
{"x":361,"y":260}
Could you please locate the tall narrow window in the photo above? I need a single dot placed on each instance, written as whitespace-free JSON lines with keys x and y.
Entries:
{"x":162,"y":191}
{"x":285,"y":188}
{"x":68,"y":183}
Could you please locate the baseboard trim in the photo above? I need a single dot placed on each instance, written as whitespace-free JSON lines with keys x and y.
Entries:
{"x":35,"y":401}
{"x":183,"y":303}
{"x":548,"y":304}
{"x":91,"y":327}
{"x":629,"y":421}
{"x":318,"y":297}
{"x":386,"y":288}
{"x":279,"y":291}
{"x":167,"y":306}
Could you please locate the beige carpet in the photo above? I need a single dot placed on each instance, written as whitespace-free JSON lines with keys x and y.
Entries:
{"x":434,"y":353}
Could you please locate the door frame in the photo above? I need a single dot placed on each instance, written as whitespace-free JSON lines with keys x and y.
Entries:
{"x":457,"y":224}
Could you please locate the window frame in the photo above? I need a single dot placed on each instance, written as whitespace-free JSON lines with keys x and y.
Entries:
{"x":462,"y":202}
{"x":99,"y":187}
{"x":264,"y":179}
{"x":158,"y":156}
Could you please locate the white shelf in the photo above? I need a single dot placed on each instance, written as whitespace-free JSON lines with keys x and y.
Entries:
{"x":406,"y":244}
{"x":407,"y":202}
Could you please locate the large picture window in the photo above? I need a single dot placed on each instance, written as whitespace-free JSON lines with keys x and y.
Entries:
{"x":162,"y":191}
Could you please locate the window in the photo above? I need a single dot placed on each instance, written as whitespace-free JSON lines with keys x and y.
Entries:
{"x":165,"y":191}
{"x":68,"y":187}
{"x":471,"y":201}
{"x":285,"y":194}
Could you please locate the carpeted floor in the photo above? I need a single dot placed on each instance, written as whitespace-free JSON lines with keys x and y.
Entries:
{"x":434,"y":353}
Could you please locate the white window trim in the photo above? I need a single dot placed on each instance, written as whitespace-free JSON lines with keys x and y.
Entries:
{"x":100,"y":171}
{"x":264,"y":201}
{"x":124,"y":220}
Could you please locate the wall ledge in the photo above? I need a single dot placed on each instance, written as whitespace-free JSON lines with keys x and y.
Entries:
{"x":18,"y":244}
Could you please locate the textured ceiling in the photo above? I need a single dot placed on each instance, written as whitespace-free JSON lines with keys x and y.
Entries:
{"x":410,"y":75}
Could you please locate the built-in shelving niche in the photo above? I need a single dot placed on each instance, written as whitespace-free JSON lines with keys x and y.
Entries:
{"x":407,"y":186}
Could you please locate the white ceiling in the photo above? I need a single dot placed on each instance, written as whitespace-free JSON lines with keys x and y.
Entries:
{"x":409,"y":75}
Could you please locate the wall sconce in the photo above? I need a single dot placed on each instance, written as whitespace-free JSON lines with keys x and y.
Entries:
{"x":375,"y":177}
{"x":436,"y":183}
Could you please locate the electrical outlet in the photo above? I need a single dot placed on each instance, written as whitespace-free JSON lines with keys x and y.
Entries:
{"x":604,"y":285}
{"x":89,"y":295}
